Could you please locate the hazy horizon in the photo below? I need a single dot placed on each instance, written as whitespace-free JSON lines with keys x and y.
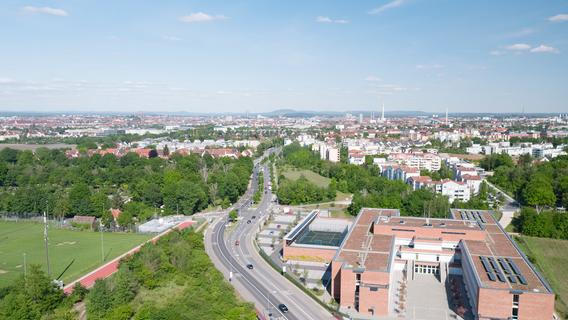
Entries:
{"x":218,"y":56}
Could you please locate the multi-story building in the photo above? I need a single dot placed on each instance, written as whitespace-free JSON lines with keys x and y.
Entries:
{"x":422,"y":161}
{"x":382,"y":250}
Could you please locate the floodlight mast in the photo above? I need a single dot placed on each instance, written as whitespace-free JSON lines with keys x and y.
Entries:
{"x":46,"y":240}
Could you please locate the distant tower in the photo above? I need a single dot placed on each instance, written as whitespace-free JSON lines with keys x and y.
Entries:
{"x":446,"y":115}
{"x":383,"y":113}
{"x":360,"y":118}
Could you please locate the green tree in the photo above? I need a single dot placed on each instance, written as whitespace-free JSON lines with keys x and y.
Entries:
{"x":538,"y":192}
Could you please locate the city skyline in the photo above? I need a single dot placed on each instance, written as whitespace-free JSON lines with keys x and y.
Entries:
{"x":101,"y":56}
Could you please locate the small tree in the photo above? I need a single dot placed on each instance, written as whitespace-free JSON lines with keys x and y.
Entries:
{"x":233,"y":215}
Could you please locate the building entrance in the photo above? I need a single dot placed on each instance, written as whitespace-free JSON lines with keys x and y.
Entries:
{"x":426,"y":269}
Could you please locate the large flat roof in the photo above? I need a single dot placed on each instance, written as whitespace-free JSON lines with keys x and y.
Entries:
{"x":361,"y":248}
{"x":498,"y":245}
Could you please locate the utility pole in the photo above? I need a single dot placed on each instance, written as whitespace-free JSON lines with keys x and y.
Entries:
{"x":45,"y":236}
{"x":102,"y":241}
{"x":25,"y":267}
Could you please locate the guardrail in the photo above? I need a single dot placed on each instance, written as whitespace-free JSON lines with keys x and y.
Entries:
{"x":266,"y":258}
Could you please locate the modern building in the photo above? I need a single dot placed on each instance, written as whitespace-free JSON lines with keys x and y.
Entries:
{"x":381,"y":247}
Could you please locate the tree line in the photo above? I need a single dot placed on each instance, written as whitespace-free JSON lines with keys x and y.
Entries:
{"x":45,"y":180}
{"x":539,"y":185}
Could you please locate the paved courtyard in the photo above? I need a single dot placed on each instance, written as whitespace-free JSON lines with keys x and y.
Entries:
{"x":427,"y":299}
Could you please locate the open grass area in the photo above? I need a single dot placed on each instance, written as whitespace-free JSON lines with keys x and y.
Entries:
{"x":320,"y":181}
{"x":17,"y":238}
{"x":549,"y":255}
{"x":295,"y":174}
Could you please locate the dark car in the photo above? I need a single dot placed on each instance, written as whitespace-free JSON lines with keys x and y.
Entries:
{"x":248,"y":221}
{"x":282,"y":307}
{"x":253,"y":217}
{"x":237,"y":242}
{"x":250,"y":266}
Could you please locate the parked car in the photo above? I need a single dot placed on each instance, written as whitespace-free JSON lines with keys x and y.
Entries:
{"x":237,"y":242}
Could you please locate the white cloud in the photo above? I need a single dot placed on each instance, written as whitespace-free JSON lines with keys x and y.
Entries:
{"x":429,"y":66}
{"x":391,"y":5}
{"x":544,"y":49}
{"x":46,"y":10}
{"x":518,"y":47}
{"x":323,"y":19}
{"x":7,"y":81}
{"x":201,"y":17}
{"x":558,"y":18}
{"x":372,"y":78}
{"x":497,"y":53}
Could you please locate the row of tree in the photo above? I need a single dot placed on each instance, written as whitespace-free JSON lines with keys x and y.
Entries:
{"x":541,"y":184}
{"x":47,"y":181}
{"x":547,"y":224}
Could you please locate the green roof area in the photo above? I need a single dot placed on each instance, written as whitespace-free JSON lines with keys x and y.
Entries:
{"x":321,"y":238}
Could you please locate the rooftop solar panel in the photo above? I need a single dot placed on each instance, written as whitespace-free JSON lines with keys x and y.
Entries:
{"x":517,"y":271}
{"x":497,"y":270}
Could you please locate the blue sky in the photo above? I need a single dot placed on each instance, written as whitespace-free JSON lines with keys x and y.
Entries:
{"x":219,"y":56}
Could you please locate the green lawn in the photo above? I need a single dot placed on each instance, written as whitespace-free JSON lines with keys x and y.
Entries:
{"x":17,"y":238}
{"x":295,"y":174}
{"x":320,"y":181}
{"x":550,"y":256}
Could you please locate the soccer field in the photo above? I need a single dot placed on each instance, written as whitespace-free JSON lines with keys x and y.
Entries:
{"x":17,"y":238}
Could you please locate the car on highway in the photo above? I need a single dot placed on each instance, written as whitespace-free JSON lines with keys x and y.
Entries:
{"x":250,"y":266}
{"x":282,"y":307}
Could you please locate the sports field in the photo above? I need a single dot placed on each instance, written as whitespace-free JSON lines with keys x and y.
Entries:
{"x":321,"y":238}
{"x":550,"y":257}
{"x":17,"y":238}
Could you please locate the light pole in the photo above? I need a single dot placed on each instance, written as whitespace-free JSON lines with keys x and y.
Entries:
{"x":45,"y":238}
{"x":102,"y":241}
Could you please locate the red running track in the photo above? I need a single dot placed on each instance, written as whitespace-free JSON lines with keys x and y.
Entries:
{"x":111,"y":267}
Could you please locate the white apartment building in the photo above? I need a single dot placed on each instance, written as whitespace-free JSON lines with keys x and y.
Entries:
{"x":426,"y":161}
{"x":454,"y":190}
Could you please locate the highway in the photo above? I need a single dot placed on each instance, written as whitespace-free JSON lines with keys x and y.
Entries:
{"x":262,"y":285}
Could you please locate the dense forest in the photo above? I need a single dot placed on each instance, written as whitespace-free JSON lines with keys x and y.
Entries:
{"x":368,"y":187}
{"x":172,"y":279}
{"x":46,"y":180}
{"x":544,"y":184}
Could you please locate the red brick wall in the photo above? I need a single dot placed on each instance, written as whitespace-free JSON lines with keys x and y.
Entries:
{"x":335,"y":279}
{"x":499,"y":304}
{"x":536,"y":306}
{"x":347,"y":289}
{"x":494,"y":303}
{"x":377,"y":300}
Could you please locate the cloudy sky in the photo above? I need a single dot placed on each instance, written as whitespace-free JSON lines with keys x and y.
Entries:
{"x":183,"y":55}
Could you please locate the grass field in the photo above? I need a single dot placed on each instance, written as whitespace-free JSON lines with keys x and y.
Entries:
{"x":550,"y":256}
{"x":295,"y":174}
{"x":17,"y":238}
{"x":320,"y":181}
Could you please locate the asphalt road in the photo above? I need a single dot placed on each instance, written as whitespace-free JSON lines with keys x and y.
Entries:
{"x":262,"y":285}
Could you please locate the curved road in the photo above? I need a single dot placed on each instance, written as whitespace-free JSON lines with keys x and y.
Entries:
{"x":262,"y":285}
